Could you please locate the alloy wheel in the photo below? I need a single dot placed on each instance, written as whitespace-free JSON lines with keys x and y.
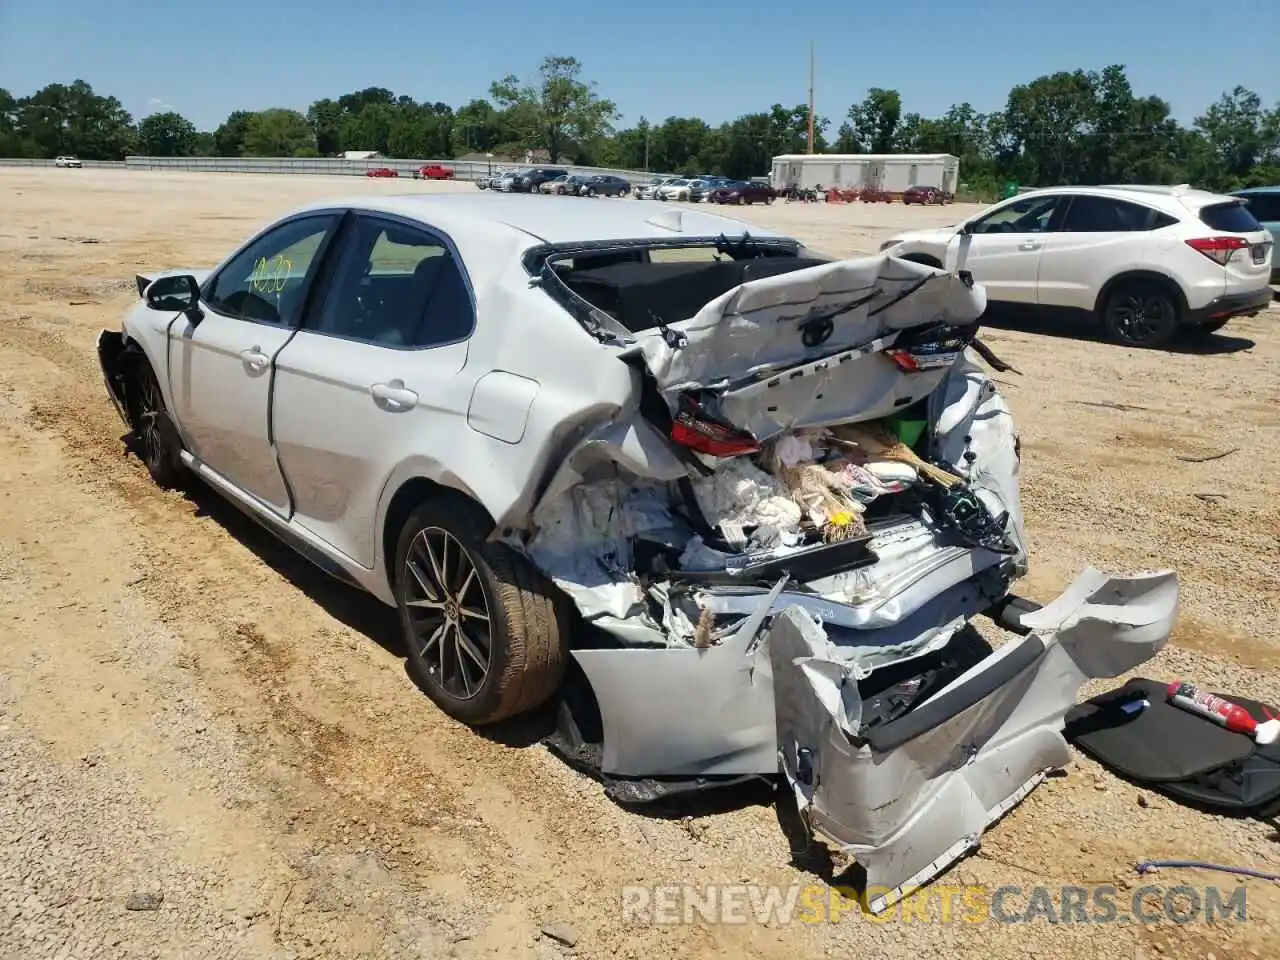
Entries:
{"x":150,"y":407}
{"x":449,"y":613}
{"x":1138,"y":318}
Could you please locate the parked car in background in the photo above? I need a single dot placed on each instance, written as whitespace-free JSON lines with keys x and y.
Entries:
{"x":701,"y":188}
{"x":926,"y":196}
{"x":742,"y":192}
{"x":874,"y":195}
{"x":574,"y":185}
{"x":606,"y":185}
{"x":66,"y":162}
{"x":552,"y":186}
{"x":1147,"y":262}
{"x":1264,"y":204}
{"x":505,"y":182}
{"x":531,"y":180}
{"x":490,"y":180}
{"x":649,"y":189}
{"x":676,"y":189}
{"x":381,"y":172}
{"x":433,"y":171}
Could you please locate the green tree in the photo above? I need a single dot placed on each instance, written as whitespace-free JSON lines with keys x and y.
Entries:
{"x":1236,"y":130}
{"x":72,"y":119}
{"x":228,"y":139}
{"x":325,"y":118}
{"x":477,"y":128}
{"x":278,"y":132}
{"x":875,"y":121}
{"x":166,"y":134}
{"x":558,"y":111}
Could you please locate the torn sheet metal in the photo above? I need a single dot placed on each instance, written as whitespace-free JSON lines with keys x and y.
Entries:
{"x":909,"y":797}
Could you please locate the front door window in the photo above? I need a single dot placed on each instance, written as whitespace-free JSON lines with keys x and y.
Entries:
{"x":264,"y":282}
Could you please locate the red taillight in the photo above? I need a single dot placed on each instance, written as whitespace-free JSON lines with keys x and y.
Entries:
{"x":1218,"y":249}
{"x":711,"y":438}
{"x":904,"y":359}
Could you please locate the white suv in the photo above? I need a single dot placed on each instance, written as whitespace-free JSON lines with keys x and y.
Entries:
{"x":1147,"y":261}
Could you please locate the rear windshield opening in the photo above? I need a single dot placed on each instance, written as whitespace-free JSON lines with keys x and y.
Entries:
{"x":647,"y":289}
{"x":1231,"y":217}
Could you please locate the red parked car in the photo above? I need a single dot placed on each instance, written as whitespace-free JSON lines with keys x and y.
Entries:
{"x":874,"y":195}
{"x":741,"y":192}
{"x":381,"y":172}
{"x":433,"y":171}
{"x":925,"y":195}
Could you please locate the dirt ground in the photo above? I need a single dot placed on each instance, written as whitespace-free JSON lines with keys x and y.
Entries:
{"x":209,"y":749}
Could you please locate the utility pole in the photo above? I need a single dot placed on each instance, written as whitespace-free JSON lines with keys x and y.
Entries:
{"x":646,"y":145}
{"x":811,"y":96}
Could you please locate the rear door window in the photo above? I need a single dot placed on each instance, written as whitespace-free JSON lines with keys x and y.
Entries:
{"x":1231,"y":217}
{"x":396,"y":286}
{"x":1090,"y":214}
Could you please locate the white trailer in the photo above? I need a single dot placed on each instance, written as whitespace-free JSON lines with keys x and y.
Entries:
{"x":891,"y":172}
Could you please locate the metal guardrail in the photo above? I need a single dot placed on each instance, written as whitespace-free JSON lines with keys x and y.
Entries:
{"x":467,"y":170}
{"x":25,"y":162}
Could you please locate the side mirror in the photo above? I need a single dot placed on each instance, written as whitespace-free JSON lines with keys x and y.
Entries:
{"x":966,"y":230}
{"x":179,"y":294}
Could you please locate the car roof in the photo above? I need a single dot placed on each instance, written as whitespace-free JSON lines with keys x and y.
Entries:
{"x":1255,"y":191}
{"x":1181,"y":194}
{"x":546,"y":219}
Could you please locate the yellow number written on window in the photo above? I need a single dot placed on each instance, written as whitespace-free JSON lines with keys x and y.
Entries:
{"x":270,"y":274}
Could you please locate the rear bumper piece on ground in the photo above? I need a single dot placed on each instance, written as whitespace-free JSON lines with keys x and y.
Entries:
{"x":1232,"y":305}
{"x":910,"y":797}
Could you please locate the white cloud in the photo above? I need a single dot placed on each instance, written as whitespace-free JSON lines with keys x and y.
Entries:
{"x":158,"y":105}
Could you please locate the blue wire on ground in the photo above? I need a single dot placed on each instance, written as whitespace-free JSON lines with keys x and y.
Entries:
{"x":1148,"y":865}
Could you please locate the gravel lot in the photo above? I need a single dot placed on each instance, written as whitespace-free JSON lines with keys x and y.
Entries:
{"x":208,"y":749}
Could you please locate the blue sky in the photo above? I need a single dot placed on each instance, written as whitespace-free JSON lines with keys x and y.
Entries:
{"x":712,"y":59}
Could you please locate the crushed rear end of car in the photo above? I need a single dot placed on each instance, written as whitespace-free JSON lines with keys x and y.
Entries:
{"x":778,"y":555}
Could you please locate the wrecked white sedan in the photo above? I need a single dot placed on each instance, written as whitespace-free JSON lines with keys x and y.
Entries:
{"x":737,"y":501}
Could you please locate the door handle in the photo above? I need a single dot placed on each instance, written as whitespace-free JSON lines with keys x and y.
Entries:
{"x":254,"y":358}
{"x":394,"y":394}
{"x":1029,"y":245}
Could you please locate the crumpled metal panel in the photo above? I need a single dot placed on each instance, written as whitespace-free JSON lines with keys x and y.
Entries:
{"x":907,"y":811}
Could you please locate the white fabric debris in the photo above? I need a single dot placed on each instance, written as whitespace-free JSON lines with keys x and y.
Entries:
{"x":741,"y":493}
{"x":793,"y":450}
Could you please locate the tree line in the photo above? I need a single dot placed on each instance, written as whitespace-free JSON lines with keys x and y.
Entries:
{"x":1076,"y":127}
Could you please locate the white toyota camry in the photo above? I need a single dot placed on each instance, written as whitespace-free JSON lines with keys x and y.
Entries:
{"x":734,"y":502}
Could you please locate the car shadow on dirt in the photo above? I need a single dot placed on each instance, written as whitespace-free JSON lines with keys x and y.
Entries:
{"x":349,"y":605}
{"x":370,"y":618}
{"x":1087,"y":329}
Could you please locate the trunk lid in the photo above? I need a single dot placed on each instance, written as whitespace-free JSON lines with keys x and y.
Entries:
{"x":815,"y":346}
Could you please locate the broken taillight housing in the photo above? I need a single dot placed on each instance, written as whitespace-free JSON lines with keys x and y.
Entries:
{"x":1218,"y":249}
{"x":693,"y":428}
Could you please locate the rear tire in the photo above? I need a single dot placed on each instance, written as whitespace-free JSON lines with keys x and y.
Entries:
{"x":157,"y":441}
{"x":485,"y":636}
{"x":1141,"y":313}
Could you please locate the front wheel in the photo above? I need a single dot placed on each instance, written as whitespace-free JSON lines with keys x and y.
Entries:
{"x":485,"y":637}
{"x":1140,"y":313}
{"x":157,"y":438}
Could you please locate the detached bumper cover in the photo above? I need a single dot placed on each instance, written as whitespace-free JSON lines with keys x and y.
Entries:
{"x":914,"y":795}
{"x":1232,"y":305}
